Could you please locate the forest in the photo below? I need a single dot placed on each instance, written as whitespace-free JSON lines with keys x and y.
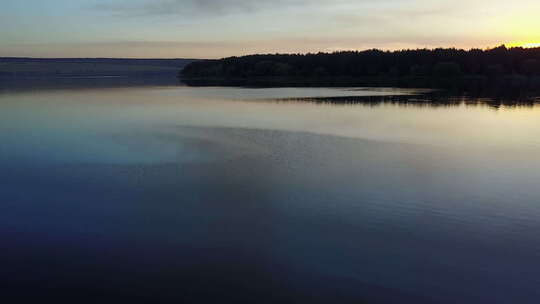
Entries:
{"x":515,"y":67}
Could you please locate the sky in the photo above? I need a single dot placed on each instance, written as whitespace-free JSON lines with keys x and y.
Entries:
{"x":221,"y":28}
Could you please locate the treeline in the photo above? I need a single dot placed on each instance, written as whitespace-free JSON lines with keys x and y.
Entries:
{"x":501,"y":66}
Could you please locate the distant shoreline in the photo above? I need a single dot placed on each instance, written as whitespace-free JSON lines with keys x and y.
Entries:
{"x":19,"y":68}
{"x":501,"y":67}
{"x":511,"y":85}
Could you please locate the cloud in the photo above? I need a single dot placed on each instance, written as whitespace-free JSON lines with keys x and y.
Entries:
{"x":197,"y":8}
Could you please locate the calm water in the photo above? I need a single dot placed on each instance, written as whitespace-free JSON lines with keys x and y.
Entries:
{"x":229,"y":195}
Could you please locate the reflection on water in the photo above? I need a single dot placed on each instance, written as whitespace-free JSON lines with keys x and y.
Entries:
{"x":425,"y":99}
{"x":171,"y":194}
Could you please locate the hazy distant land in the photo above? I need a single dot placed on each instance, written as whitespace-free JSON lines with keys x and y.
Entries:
{"x":89,"y":67}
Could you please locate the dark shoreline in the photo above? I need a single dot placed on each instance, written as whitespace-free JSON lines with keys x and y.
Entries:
{"x":475,"y":70}
{"x":471,"y":83}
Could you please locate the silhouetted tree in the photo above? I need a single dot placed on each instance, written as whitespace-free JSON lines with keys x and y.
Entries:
{"x":446,"y":69}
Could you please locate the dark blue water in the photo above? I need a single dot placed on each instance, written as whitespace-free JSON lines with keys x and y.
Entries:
{"x":207,"y":195}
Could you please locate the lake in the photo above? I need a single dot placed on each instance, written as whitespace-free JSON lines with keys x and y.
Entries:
{"x":170,"y":194}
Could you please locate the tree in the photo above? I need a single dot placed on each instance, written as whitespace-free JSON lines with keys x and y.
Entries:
{"x":447,"y":70}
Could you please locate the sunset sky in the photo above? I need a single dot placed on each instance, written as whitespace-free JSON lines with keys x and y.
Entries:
{"x":219,"y":28}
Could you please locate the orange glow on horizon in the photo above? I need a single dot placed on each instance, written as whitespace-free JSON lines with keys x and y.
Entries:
{"x":525,"y":44}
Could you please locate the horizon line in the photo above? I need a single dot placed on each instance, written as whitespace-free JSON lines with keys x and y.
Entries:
{"x":508,"y":46}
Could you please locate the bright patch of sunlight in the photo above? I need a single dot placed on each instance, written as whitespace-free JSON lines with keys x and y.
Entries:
{"x":525,"y":44}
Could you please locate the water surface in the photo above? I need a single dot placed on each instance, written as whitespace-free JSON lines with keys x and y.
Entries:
{"x":173,"y":193}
